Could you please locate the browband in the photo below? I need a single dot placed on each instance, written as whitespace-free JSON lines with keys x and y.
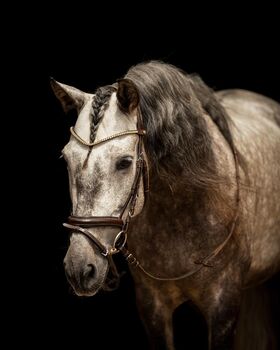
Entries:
{"x":122,"y":133}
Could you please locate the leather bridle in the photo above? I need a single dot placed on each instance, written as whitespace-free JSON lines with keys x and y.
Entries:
{"x":80,"y":224}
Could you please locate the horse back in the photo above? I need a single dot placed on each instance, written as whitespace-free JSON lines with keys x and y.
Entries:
{"x":256,"y":131}
{"x":250,"y":104}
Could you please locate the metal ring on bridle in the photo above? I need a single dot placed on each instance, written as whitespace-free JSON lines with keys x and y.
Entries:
{"x":118,"y":236}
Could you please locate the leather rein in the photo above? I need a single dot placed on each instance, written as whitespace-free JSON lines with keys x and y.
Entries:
{"x":80,"y":224}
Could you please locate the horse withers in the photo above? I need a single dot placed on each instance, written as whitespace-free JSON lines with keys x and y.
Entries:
{"x":206,"y":228}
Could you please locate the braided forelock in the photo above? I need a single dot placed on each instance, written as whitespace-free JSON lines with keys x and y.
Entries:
{"x":99,"y":105}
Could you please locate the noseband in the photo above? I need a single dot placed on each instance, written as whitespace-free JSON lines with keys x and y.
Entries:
{"x":80,"y":224}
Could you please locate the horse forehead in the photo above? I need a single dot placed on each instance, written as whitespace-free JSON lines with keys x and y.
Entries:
{"x":77,"y":153}
{"x":113,"y":121}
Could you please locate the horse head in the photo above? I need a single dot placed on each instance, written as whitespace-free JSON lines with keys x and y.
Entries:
{"x":104,"y":158}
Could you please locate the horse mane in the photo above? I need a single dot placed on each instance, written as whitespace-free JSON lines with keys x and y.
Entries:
{"x":172,"y":104}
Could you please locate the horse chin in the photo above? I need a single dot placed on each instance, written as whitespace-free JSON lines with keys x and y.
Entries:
{"x":87,"y":293}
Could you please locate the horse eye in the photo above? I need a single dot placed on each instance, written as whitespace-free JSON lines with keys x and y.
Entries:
{"x":124,"y":163}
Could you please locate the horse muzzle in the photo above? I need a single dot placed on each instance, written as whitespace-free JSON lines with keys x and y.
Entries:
{"x":85,"y":270}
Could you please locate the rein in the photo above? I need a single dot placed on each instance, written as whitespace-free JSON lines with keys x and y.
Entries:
{"x":80,"y":224}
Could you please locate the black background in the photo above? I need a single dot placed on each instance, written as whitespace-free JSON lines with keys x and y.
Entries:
{"x":241,"y":53}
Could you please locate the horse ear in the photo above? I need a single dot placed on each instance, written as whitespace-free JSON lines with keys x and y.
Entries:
{"x":70,"y":97}
{"x":127,"y":95}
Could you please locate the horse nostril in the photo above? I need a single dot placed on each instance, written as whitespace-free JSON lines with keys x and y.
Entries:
{"x":89,"y":272}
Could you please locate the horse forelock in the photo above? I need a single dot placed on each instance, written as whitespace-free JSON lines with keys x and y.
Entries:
{"x":100,"y":103}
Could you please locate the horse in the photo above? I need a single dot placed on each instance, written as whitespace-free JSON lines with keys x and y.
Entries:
{"x":184,"y":183}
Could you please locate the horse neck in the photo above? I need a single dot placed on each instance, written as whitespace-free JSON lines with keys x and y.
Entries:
{"x":185,"y":218}
{"x":171,"y":195}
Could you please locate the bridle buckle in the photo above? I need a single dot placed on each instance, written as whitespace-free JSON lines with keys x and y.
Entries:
{"x":132,"y":260}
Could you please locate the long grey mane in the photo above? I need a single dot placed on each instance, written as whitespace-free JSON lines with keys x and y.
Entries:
{"x":172,"y":104}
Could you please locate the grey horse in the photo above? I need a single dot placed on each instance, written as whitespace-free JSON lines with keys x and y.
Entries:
{"x":208,"y":229}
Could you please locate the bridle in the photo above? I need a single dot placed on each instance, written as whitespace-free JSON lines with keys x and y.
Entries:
{"x":80,"y":224}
